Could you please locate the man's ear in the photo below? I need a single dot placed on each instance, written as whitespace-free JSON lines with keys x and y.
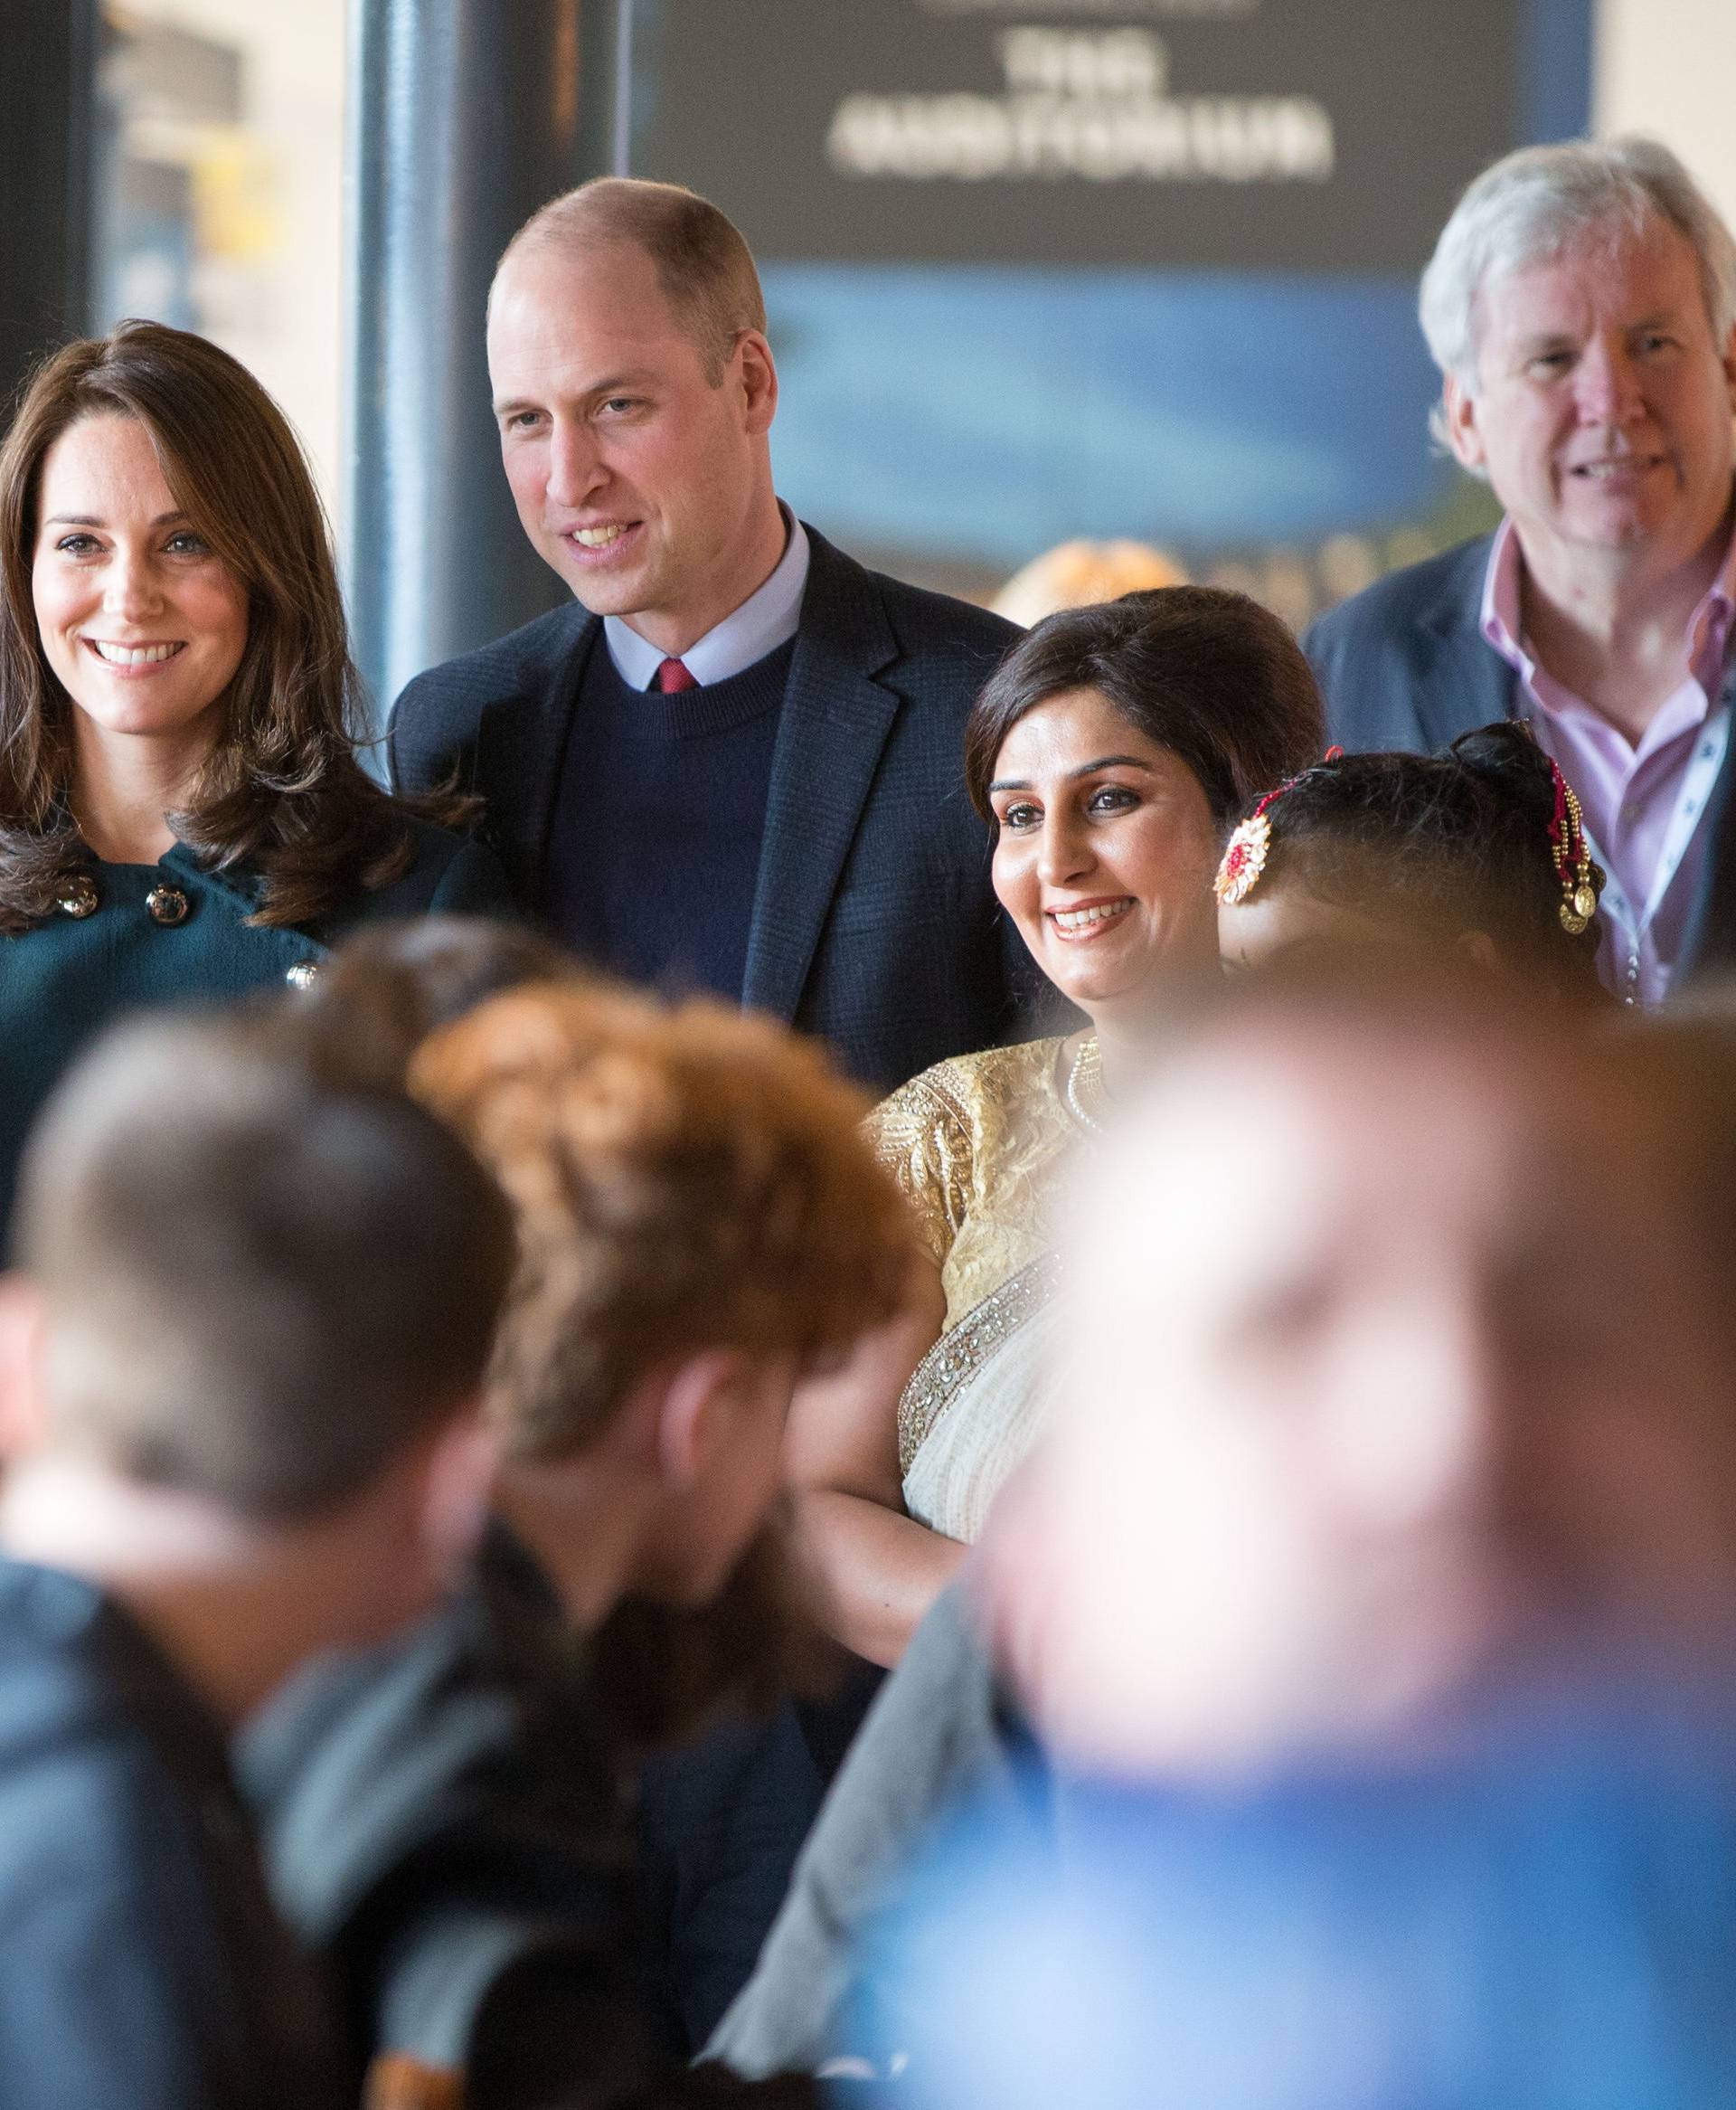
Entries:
{"x":694,"y":1416}
{"x":22,"y":1331}
{"x":1462,"y":432}
{"x":457,"y":1479}
{"x":758,"y":374}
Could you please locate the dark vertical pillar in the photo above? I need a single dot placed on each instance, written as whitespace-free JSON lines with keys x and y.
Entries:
{"x":466,"y":115}
{"x":48,"y":62}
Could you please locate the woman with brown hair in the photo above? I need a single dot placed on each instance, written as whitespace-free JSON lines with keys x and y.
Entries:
{"x":1110,"y":753}
{"x":182,"y":812}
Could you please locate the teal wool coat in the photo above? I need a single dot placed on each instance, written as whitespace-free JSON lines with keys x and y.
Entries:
{"x":116,"y":950}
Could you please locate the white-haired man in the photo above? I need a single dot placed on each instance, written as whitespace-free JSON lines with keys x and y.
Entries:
{"x":1581,"y":306}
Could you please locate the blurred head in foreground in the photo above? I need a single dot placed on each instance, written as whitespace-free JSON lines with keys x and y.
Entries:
{"x":250,"y":1332}
{"x":699,"y":1222}
{"x":1395,"y":1362}
{"x":1373,"y":1594}
{"x":387,"y":987}
{"x":1477,"y":852}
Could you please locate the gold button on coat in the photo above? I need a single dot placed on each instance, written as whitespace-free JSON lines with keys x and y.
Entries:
{"x":303,"y":974}
{"x":80,"y":896}
{"x":167,"y":904}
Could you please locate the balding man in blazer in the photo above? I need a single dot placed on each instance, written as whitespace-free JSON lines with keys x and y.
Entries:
{"x":735,"y":762}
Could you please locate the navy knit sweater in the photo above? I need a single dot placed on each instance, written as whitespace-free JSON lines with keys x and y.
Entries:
{"x":655,"y":852}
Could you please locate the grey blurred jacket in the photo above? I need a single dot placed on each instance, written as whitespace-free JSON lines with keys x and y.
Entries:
{"x":443,"y":1825}
{"x":939,"y":1729}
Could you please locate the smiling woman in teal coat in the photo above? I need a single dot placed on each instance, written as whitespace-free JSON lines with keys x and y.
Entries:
{"x":182,"y":813}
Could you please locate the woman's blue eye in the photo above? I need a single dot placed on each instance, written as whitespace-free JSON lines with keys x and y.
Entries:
{"x":188,"y":543}
{"x":76,"y":545}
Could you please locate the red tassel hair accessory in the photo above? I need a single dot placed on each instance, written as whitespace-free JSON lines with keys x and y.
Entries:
{"x":1571,"y":857}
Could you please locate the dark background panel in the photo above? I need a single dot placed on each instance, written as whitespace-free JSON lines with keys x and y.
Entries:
{"x":738,"y":98}
{"x":47,"y":145}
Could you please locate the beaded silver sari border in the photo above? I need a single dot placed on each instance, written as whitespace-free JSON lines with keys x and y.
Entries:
{"x":963,"y":1349}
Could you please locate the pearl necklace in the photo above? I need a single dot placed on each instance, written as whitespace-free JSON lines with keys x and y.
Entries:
{"x":1088,"y":1061}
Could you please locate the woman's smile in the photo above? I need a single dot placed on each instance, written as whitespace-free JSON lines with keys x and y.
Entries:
{"x":133,"y":659}
{"x":1082,"y":921}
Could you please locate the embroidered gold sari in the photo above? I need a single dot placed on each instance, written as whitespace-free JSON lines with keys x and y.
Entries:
{"x":974,"y":1142}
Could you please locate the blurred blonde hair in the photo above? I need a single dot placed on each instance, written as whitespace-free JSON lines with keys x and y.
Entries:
{"x":1076,"y":574}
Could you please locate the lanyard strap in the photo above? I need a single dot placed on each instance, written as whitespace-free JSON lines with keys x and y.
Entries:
{"x":1711,"y":744}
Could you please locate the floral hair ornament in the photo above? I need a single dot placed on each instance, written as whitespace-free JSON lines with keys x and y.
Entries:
{"x":1581,"y":882}
{"x":1244,"y":855}
{"x":1250,"y":843}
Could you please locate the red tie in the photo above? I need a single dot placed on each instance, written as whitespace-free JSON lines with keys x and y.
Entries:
{"x":672,"y":677}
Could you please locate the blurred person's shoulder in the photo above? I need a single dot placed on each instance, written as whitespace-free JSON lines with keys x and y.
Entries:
{"x":1568,"y":1886}
{"x":77,"y":1677}
{"x":105,"y":1752}
{"x":127,"y":1864}
{"x":110,"y":1770}
{"x":476,"y":1728}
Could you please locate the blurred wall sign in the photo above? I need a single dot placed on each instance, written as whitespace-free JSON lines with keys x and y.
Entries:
{"x":1291,"y":134}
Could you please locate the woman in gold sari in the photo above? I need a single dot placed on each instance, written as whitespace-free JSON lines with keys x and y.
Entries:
{"x":1110,"y":752}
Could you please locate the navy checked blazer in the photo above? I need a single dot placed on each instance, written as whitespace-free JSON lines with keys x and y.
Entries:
{"x":1404,"y":663}
{"x":873,"y":924}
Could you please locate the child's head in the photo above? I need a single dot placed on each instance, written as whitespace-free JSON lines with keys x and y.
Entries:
{"x":1479,"y":846}
{"x":392,"y":984}
{"x":698,"y":1219}
{"x":258,"y":1296}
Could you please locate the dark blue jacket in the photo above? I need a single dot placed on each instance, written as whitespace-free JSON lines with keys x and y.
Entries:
{"x":1404,"y":663}
{"x":67,"y":978}
{"x":874,"y":920}
{"x":141,"y":1966}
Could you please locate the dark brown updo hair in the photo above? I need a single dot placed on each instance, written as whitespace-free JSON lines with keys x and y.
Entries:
{"x":1443,"y":844}
{"x":1210,"y":674}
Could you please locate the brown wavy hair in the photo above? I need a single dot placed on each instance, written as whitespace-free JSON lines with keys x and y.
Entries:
{"x":283,"y":791}
{"x":683,"y":1178}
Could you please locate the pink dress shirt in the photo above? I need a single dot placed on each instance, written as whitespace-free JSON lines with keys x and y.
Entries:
{"x":1628,"y":794}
